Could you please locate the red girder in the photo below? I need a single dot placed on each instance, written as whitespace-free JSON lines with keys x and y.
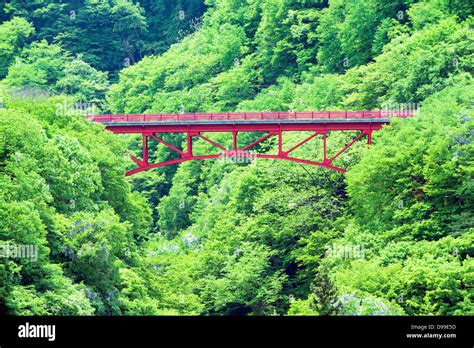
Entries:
{"x":274,"y":124}
{"x":235,"y":151}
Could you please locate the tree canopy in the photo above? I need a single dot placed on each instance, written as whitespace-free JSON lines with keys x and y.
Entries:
{"x":393,"y":236}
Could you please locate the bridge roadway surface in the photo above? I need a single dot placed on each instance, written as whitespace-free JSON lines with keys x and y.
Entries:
{"x":252,"y":121}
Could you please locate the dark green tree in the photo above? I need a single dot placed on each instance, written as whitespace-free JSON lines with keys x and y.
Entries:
{"x":324,"y":294}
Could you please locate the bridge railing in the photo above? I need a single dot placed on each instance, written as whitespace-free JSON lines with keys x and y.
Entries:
{"x":251,"y":116}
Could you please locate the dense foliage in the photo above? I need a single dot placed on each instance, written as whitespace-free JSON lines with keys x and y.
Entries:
{"x":393,"y":236}
{"x":109,"y":34}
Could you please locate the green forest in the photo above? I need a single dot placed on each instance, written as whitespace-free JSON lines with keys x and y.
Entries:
{"x":392,"y":236}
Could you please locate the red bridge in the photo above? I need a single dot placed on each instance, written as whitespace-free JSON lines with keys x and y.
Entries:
{"x":271,"y":123}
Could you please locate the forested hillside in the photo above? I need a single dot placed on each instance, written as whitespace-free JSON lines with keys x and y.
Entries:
{"x":393,"y":236}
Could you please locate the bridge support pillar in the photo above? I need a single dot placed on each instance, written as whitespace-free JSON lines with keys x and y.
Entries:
{"x":234,"y":137}
{"x":280,"y":144}
{"x":190,"y":144}
{"x":145,"y":149}
{"x":325,"y":147}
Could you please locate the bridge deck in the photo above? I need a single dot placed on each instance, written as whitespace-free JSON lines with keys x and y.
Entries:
{"x":276,"y":121}
{"x":251,"y":117}
{"x":244,"y":126}
{"x":247,"y":121}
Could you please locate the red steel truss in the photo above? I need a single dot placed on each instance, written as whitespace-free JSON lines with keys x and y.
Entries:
{"x":274,"y":124}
